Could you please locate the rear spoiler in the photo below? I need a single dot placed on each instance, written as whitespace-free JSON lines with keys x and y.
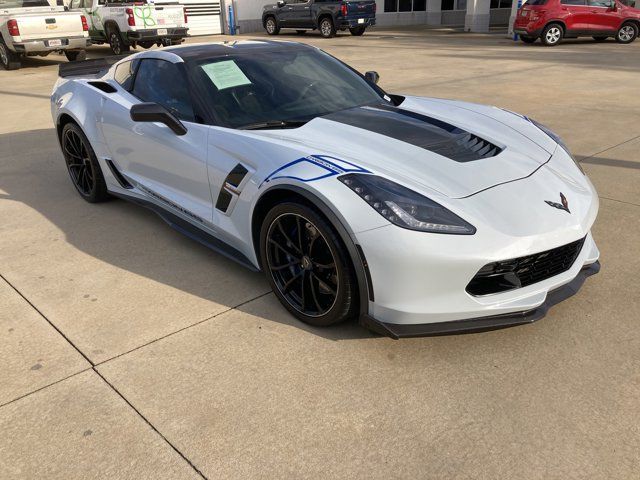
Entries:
{"x":88,"y":68}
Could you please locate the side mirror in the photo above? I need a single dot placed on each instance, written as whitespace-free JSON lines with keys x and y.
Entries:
{"x":281,"y":3}
{"x":154,"y":112}
{"x":372,"y":77}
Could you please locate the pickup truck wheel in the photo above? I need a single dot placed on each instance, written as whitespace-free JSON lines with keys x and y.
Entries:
{"x":75,"y":55}
{"x":271,"y":26}
{"x":627,"y":33}
{"x":9,"y":60}
{"x":116,"y":43}
{"x":357,"y":31}
{"x":327,"y":28}
{"x":146,"y":45}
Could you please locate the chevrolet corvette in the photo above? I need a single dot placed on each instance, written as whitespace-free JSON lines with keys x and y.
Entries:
{"x":417,"y":216}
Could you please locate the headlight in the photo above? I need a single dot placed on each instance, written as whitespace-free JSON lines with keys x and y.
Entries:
{"x":554,"y":136}
{"x":405,"y":208}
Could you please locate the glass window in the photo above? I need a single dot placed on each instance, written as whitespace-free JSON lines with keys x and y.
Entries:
{"x":390,"y":5}
{"x":599,"y":3}
{"x":404,"y":6}
{"x":163,"y":82}
{"x":124,"y":74}
{"x":536,"y":2}
{"x":292,"y":85}
{"x":419,"y":5}
{"x":505,"y":3}
{"x":447,"y":4}
{"x":573,"y":2}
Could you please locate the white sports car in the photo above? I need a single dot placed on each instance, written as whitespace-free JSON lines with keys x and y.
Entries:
{"x":416,"y":215}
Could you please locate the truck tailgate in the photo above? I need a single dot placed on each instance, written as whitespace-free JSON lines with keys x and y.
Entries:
{"x":361,"y":8}
{"x":49,"y":25}
{"x":158,"y":16}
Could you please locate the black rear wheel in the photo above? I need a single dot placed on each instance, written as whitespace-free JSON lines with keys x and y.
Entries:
{"x":75,"y":55}
{"x":627,"y":33}
{"x":117,"y":44}
{"x":82,"y":164}
{"x":552,"y":35}
{"x":271,"y":26}
{"x":357,"y":31}
{"x":327,"y":28}
{"x":9,"y":60}
{"x":307,"y":266}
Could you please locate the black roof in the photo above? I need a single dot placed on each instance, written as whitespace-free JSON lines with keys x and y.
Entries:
{"x":212,"y":50}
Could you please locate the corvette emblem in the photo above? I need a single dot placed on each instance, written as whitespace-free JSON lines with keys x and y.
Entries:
{"x":564,"y":205}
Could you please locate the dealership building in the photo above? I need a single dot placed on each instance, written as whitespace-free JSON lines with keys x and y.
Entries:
{"x":211,"y":17}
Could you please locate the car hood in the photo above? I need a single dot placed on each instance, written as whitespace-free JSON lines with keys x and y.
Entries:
{"x":453,"y":148}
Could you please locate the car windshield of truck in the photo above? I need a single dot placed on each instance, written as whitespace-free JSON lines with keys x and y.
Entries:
{"x":280,"y":89}
{"x":6,"y":4}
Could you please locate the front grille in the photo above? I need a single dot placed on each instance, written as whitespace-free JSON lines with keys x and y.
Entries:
{"x":523,"y":271}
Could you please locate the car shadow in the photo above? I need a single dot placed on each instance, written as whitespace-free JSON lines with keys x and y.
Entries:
{"x":125,"y":235}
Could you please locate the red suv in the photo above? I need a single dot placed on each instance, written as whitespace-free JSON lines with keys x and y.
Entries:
{"x":553,"y":20}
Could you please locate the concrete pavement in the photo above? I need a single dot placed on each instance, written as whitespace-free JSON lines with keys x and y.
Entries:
{"x":130,"y":351}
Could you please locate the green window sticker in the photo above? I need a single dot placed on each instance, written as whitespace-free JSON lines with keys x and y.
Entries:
{"x":225,"y":74}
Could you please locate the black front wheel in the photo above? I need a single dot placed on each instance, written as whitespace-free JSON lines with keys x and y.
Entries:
{"x":357,"y":31}
{"x":307,"y":266}
{"x":82,"y":164}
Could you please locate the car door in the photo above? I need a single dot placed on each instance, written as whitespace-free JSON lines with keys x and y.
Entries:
{"x":301,"y":14}
{"x":171,"y":169}
{"x":605,"y":15}
{"x":577,"y":16}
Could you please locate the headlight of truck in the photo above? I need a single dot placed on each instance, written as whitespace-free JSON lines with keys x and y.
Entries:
{"x":404,"y":207}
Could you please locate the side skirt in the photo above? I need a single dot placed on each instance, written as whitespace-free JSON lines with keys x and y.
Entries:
{"x":191,"y":231}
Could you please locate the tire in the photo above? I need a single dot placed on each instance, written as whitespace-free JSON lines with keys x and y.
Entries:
{"x":301,"y":32}
{"x":146,"y":45}
{"x":82,"y":164}
{"x":75,"y":55}
{"x":627,"y":33}
{"x":526,"y":39}
{"x":117,"y":44}
{"x":327,"y":28}
{"x":600,"y":39}
{"x":271,"y":26}
{"x":8,"y":59}
{"x":307,"y":266}
{"x":357,"y":31}
{"x":552,"y":35}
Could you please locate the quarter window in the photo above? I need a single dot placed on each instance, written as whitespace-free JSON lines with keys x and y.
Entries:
{"x":124,"y":74}
{"x":163,"y":82}
{"x":579,"y":3}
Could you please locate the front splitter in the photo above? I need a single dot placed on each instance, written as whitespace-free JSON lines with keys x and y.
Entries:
{"x":481,"y":324}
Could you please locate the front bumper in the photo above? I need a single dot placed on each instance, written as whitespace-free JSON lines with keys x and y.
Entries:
{"x":483,"y":324}
{"x":43,"y":45}
{"x":152,"y":35}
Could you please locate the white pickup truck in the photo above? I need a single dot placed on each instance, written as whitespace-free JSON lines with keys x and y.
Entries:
{"x":125,"y":24}
{"x":33,"y":27}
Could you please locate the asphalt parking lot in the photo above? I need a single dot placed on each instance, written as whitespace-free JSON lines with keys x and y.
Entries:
{"x":130,"y":351}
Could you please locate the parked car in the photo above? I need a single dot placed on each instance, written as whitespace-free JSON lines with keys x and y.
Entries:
{"x":553,"y":20}
{"x":126,"y":24}
{"x":327,"y":16}
{"x":34,"y":28}
{"x":415,"y":215}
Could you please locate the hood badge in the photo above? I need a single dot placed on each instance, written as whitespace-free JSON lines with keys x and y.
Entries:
{"x":564,"y":205}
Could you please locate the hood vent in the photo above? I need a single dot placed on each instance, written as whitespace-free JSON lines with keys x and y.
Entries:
{"x":419,"y":130}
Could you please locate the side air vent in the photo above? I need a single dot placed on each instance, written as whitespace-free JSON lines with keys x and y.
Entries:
{"x":119,"y":177}
{"x":105,"y":87}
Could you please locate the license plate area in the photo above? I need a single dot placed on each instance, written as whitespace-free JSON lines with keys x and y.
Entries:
{"x":361,"y":20}
{"x":54,"y":43}
{"x":162,"y":31}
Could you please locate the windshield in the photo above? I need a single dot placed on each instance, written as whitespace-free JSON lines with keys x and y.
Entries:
{"x":4,"y":4}
{"x":287,"y":87}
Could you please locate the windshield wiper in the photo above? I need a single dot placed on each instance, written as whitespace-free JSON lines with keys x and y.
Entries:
{"x":273,"y":124}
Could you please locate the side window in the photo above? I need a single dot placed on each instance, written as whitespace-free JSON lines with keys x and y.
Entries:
{"x":577,"y":3}
{"x":164,"y":83}
{"x":124,"y":74}
{"x":599,"y":3}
